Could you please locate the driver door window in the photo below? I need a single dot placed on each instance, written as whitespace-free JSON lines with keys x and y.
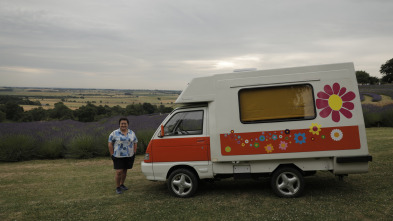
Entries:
{"x":185,"y":123}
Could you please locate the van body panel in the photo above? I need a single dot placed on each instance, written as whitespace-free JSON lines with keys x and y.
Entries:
{"x":267,"y":166}
{"x":204,"y":169}
{"x":181,"y":149}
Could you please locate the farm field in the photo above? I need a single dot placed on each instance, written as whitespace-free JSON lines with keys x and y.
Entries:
{"x":70,"y":189}
{"x":75,"y":98}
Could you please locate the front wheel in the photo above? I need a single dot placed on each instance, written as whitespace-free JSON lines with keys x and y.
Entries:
{"x":287,"y":182}
{"x":182,"y":183}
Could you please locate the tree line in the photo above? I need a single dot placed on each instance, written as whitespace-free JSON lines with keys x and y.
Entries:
{"x":387,"y":75}
{"x":11,"y":110}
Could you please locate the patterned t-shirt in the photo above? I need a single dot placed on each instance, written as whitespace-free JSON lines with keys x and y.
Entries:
{"x":123,"y":146}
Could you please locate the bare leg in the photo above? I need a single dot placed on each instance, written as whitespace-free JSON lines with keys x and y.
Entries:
{"x":123,"y":176}
{"x":118,"y":177}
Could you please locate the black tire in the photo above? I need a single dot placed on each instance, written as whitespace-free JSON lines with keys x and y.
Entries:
{"x":287,"y":182}
{"x":182,"y":183}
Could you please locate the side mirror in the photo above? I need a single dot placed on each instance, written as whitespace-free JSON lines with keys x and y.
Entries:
{"x":162,"y":131}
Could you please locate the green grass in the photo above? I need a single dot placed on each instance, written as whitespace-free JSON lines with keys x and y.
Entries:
{"x":84,"y":190}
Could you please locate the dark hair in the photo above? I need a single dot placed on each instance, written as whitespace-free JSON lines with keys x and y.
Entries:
{"x":124,"y":118}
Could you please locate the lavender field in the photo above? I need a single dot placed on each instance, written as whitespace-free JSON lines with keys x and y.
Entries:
{"x":377,"y":90}
{"x":377,"y":113}
{"x":68,"y":138}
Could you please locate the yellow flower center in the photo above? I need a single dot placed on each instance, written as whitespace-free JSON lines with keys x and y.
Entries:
{"x":335,"y":102}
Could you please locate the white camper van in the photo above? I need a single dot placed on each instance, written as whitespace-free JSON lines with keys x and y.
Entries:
{"x":285,"y":123}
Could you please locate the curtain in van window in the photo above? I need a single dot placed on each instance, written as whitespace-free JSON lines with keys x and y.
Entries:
{"x":277,"y":103}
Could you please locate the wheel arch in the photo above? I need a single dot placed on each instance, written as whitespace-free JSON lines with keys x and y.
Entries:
{"x":182,"y":166}
{"x":292,"y":165}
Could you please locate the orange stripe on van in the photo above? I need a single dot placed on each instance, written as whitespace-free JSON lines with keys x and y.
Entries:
{"x":290,"y":141}
{"x":180,"y":149}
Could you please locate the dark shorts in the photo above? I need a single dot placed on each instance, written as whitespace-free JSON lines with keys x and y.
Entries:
{"x":123,"y":163}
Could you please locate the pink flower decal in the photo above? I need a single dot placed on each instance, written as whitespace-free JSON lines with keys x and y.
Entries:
{"x":334,"y":101}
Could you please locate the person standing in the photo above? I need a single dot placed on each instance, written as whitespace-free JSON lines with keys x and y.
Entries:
{"x":122,"y":145}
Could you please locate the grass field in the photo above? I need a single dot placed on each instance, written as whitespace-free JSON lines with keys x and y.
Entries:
{"x":84,"y":190}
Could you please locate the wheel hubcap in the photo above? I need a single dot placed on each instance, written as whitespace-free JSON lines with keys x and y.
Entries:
{"x":181,"y":184}
{"x":288,"y":183}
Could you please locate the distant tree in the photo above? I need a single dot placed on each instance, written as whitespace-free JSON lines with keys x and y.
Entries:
{"x":163,"y":109}
{"x":362,"y":77}
{"x":387,"y":71}
{"x":61,"y":112}
{"x":374,"y":80}
{"x":148,"y":108}
{"x":13,"y":111}
{"x":117,"y":110}
{"x":2,"y":116}
{"x":86,"y":113}
{"x":134,"y":109}
{"x":38,"y":114}
{"x":101,"y":110}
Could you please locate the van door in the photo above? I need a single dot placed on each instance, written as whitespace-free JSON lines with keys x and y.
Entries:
{"x":185,"y":138}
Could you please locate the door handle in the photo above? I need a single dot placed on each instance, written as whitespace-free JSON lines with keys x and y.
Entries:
{"x":200,"y":140}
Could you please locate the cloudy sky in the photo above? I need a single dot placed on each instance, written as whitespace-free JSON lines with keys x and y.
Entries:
{"x":163,"y":44}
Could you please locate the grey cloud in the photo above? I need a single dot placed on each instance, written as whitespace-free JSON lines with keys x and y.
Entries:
{"x":166,"y":43}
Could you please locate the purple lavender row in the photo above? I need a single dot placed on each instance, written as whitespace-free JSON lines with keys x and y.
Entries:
{"x":385,"y":89}
{"x":370,"y":108}
{"x":376,"y":97}
{"x":68,"y":129}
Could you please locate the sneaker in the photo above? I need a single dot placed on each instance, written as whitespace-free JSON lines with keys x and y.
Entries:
{"x":122,"y":187}
{"x":118,"y":190}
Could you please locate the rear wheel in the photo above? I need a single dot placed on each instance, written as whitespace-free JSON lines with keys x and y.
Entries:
{"x":287,"y":182}
{"x":182,"y":183}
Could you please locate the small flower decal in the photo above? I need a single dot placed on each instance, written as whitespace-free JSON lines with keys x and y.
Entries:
{"x":274,"y":137}
{"x":228,"y":149}
{"x":287,"y":131}
{"x":335,"y":101}
{"x":283,"y":145}
{"x":262,"y":138}
{"x":315,"y":128}
{"x":336,"y":135}
{"x":269,"y":148}
{"x":300,"y":138}
{"x":256,"y":145}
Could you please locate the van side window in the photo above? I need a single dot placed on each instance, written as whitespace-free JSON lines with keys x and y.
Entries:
{"x":292,"y":102}
{"x":185,"y":123}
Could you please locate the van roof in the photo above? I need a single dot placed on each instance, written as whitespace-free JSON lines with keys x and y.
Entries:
{"x":204,"y":89}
